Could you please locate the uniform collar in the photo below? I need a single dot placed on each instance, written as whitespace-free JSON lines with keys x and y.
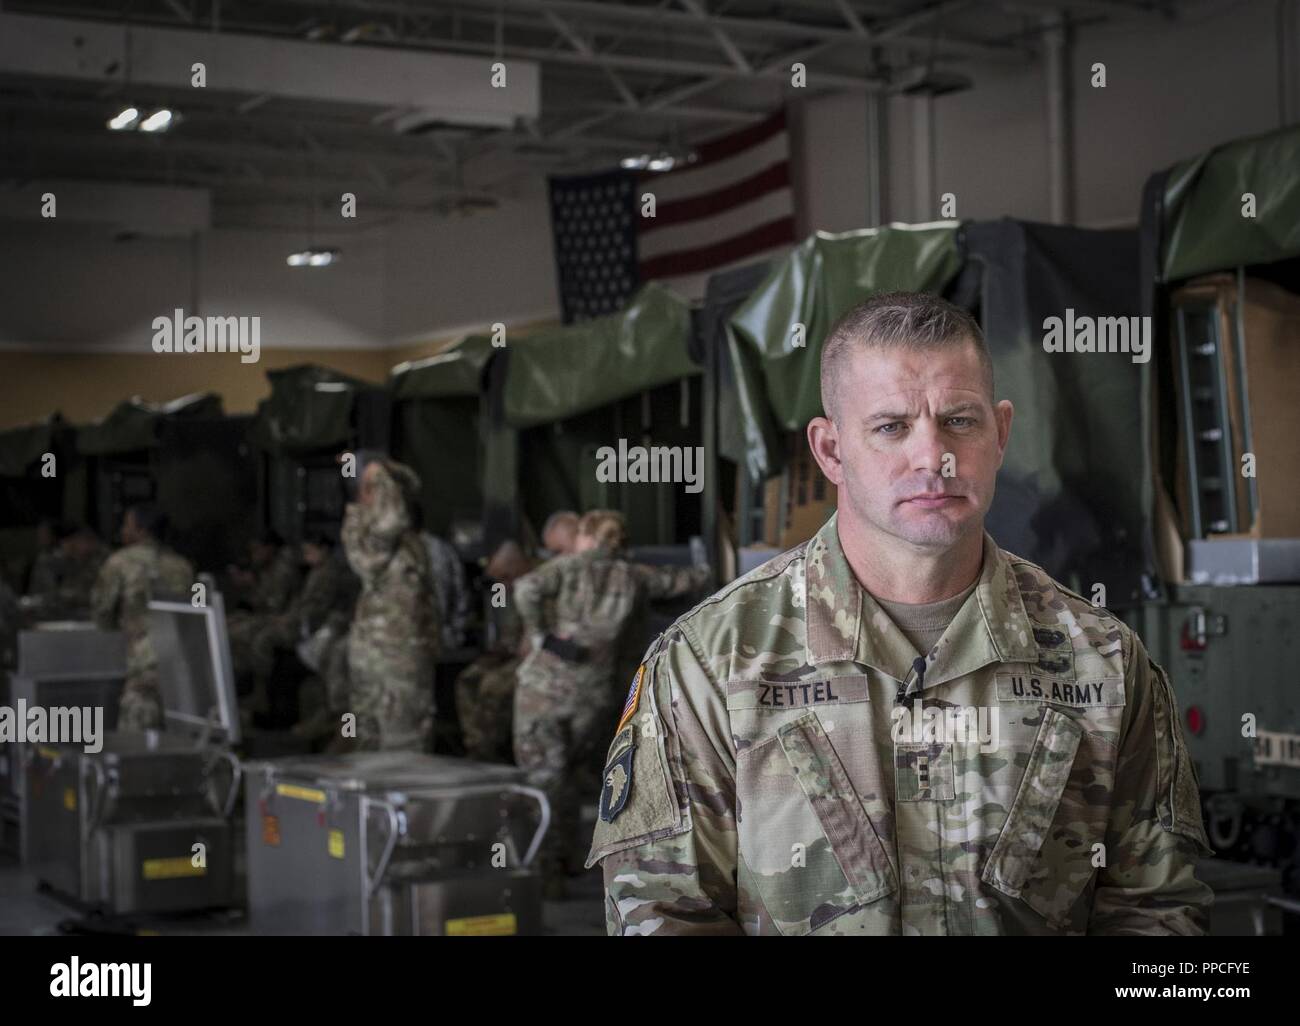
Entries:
{"x":846,"y":624}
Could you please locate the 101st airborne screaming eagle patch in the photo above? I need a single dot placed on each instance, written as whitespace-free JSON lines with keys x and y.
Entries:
{"x":618,"y":767}
{"x":618,"y":775}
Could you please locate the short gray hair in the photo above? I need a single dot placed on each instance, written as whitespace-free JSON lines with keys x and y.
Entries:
{"x":917,"y":321}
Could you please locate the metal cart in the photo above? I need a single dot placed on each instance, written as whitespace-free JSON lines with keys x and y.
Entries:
{"x":390,"y":843}
{"x":143,"y":825}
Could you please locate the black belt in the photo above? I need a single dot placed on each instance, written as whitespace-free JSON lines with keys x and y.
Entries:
{"x":567,"y":650}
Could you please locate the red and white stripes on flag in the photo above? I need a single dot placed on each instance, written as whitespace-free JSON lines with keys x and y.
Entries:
{"x":732,"y":206}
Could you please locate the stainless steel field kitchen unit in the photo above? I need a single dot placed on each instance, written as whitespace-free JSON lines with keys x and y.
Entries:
{"x":392,"y":843}
{"x":143,"y":824}
{"x":60,"y":666}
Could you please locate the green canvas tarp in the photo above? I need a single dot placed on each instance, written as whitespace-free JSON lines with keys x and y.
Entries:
{"x":310,"y":407}
{"x":134,"y":423}
{"x":437,"y":418}
{"x":22,"y":446}
{"x":556,"y":373}
{"x":774,"y":339}
{"x":1204,"y":226}
{"x":457,"y":371}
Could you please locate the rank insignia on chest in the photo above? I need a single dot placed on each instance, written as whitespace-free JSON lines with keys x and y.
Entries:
{"x":617,"y":785}
{"x":633,"y":699}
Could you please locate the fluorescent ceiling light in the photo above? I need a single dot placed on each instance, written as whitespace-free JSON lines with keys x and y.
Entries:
{"x":158,"y":121}
{"x":124,"y":120}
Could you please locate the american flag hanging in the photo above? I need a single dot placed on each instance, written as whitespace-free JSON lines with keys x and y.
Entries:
{"x":732,"y":206}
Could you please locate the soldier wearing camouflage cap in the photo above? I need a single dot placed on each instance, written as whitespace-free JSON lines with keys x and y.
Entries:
{"x":145,"y":568}
{"x":898,"y":728}
{"x":394,"y":636}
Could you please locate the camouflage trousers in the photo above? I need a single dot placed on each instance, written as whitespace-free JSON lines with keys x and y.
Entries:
{"x":485,"y":699}
{"x":141,"y":704}
{"x":391,"y":697}
{"x":563,"y":718}
{"x":140,"y":707}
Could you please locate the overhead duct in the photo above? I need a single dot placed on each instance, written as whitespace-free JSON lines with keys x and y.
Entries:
{"x":434,"y":86}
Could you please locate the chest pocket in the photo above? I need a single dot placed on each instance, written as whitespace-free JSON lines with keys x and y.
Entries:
{"x":1045,"y":852}
{"x":808,"y":846}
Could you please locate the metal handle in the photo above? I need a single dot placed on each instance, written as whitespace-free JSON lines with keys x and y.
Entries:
{"x":394,"y":829}
{"x":101,"y":785}
{"x":236,"y":778}
{"x":544,"y":805}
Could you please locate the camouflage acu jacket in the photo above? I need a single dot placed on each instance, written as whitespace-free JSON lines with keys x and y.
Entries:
{"x":783,"y":765}
{"x":591,"y":597}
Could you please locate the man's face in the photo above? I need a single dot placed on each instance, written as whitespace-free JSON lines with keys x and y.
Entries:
{"x":561,"y":538}
{"x":917,"y":445}
{"x":260,"y":553}
{"x":368,"y":479}
{"x":312,"y":555}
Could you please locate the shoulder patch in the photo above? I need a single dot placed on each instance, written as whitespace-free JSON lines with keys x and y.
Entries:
{"x":633,"y":699}
{"x":638,"y":802}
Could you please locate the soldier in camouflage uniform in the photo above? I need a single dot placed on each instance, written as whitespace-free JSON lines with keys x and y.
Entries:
{"x":792,"y":761}
{"x":394,"y":636}
{"x":328,"y":594}
{"x":574,"y":611}
{"x":120,"y":602}
{"x":485,"y":690}
{"x":265,"y":592}
{"x":61,"y":585}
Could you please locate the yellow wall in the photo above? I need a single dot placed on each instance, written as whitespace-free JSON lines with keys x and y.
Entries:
{"x":86,"y":386}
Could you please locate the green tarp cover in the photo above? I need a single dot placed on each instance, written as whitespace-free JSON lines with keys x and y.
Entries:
{"x":557,"y":373}
{"x":310,"y":407}
{"x":777,"y":379}
{"x":1204,"y":227}
{"x":1074,"y":491}
{"x":457,"y":371}
{"x":134,"y":423}
{"x":23,"y":446}
{"x":440,"y":440}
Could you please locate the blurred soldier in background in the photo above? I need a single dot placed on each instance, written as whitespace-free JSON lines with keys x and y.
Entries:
{"x":259,"y":594}
{"x":62,"y":582}
{"x":560,"y":533}
{"x":44,"y":565}
{"x":272,"y":580}
{"x":326,"y":597}
{"x":574,"y":610}
{"x":143,"y":568}
{"x":452,"y":593}
{"x":395,"y":630}
{"x":485,"y":690}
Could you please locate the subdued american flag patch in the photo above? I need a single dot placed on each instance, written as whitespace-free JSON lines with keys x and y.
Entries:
{"x":633,"y":699}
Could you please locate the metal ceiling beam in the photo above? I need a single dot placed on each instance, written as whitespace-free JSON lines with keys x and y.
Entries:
{"x":719,"y":34}
{"x":583,"y":47}
{"x":780,"y":66}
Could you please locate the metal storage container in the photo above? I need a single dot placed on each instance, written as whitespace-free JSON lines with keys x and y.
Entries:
{"x":143,"y":824}
{"x":60,"y":665}
{"x":392,"y":843}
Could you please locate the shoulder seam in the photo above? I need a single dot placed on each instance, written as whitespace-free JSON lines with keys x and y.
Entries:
{"x":778,"y":568}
